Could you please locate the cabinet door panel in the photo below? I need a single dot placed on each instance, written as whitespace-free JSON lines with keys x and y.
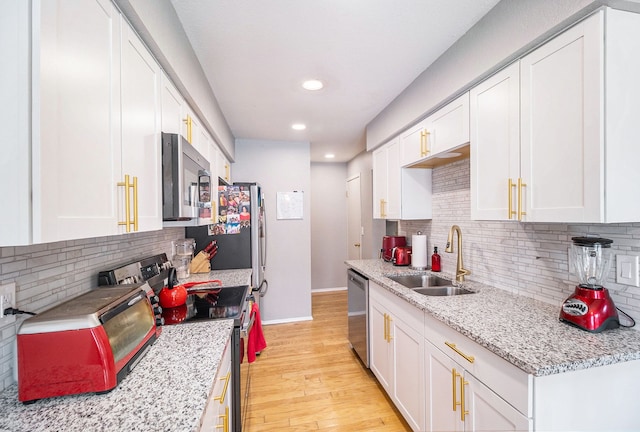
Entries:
{"x":562,"y":126}
{"x":393,"y":180}
{"x":440,"y":387}
{"x":379,"y":183}
{"x":489,"y":412}
{"x":76,"y":156}
{"x":495,"y":144}
{"x":172,"y":107}
{"x":380,"y":358}
{"x":409,"y":370}
{"x":141,"y":128}
{"x":449,"y":127}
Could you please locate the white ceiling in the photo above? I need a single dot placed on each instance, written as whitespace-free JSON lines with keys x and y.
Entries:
{"x":256,"y":53}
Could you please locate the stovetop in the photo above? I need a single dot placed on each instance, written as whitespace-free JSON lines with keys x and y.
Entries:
{"x":209,"y":304}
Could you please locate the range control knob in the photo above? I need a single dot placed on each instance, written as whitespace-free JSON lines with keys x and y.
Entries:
{"x":157,"y":310}
{"x":154,"y":299}
{"x":159,"y":321}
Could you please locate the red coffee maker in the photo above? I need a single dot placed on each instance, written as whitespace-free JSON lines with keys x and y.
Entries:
{"x":389,"y":243}
{"x":590,"y":307}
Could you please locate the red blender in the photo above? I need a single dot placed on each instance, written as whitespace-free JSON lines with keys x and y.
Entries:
{"x":590,"y":307}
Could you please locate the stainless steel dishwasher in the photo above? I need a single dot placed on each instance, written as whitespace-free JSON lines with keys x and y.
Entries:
{"x":358,"y":313}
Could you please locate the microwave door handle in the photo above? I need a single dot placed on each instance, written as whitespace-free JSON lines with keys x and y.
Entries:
{"x":193,"y":193}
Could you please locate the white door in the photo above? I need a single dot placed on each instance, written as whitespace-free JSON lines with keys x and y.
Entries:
{"x":495,"y":145}
{"x":394,"y":187}
{"x":561,"y":125}
{"x":488,"y":411}
{"x":380,"y":183}
{"x":141,"y":117}
{"x":354,"y":219}
{"x":443,"y":396}
{"x":409,"y":372}
{"x":380,"y":362}
{"x":76,"y":120}
{"x":172,"y":107}
{"x":449,"y":126}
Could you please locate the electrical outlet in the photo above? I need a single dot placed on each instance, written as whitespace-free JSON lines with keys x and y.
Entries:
{"x":7,"y":300}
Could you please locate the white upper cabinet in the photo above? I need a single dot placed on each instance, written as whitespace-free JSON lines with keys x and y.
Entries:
{"x":577,"y":132}
{"x":449,"y":126}
{"x":399,"y":193}
{"x":427,"y":143}
{"x":386,"y":181}
{"x":173,"y":106}
{"x":495,"y":144}
{"x":224,"y":167}
{"x":94,"y":118}
{"x":141,"y":118}
{"x":76,"y":152}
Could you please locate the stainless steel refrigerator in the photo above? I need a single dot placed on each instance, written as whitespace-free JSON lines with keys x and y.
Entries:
{"x":240,"y":232}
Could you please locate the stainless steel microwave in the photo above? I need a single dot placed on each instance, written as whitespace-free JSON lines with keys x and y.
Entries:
{"x":186,"y":183}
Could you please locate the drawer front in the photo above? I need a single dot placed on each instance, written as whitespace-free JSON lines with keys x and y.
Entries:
{"x":508,"y":381}
{"x":216,"y":415}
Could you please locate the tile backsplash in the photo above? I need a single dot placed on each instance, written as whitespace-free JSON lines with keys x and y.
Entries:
{"x":530,"y":259}
{"x":47,"y":274}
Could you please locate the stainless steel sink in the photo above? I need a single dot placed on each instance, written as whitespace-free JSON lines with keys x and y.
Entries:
{"x":442,"y":291}
{"x":430,"y":285}
{"x":421,"y":281}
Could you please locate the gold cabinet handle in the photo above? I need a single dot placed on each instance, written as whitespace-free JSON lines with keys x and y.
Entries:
{"x":521,"y":184}
{"x":224,"y":389}
{"x":127,"y":184}
{"x":225,"y":421}
{"x":227,"y":171}
{"x":467,"y":357}
{"x":189,"y":122}
{"x":463,"y":411}
{"x":424,"y":143}
{"x":510,"y":211}
{"x":389,"y":337}
{"x":383,"y":213}
{"x":135,"y":203}
{"x":454,"y":376}
{"x":385,"y":328}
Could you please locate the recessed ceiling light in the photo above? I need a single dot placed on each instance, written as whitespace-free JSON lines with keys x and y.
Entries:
{"x":298,"y":126}
{"x":312,"y":85}
{"x":329,"y":156}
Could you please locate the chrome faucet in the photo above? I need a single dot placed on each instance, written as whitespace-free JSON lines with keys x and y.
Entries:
{"x":460,"y":270}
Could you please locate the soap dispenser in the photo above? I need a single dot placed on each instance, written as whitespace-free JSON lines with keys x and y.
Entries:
{"x":435,"y":260}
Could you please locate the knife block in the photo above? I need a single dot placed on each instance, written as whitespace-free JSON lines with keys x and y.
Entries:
{"x":200,"y":263}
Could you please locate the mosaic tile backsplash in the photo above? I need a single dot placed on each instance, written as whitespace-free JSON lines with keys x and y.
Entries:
{"x":530,"y":259}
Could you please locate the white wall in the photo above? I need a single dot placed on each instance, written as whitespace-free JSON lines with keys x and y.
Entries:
{"x":328,"y":225}
{"x":157,"y":24}
{"x":509,"y":29}
{"x":282,"y":167}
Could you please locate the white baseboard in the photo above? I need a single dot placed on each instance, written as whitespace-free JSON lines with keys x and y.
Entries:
{"x":287,"y":320}
{"x":328,"y":289}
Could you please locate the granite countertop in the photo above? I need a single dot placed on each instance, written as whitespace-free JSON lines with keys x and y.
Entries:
{"x":523,"y":331}
{"x":235,"y":277}
{"x":167,"y":391}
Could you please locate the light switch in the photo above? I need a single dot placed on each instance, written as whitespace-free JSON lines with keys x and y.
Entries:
{"x":627,"y":270}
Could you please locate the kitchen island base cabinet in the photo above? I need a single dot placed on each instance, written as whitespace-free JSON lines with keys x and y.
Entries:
{"x":397,"y":353}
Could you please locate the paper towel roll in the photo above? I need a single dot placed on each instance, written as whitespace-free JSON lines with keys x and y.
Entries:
{"x":419,"y":251}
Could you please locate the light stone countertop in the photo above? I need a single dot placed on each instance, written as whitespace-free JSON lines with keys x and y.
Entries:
{"x":523,"y":331}
{"x":167,"y":391}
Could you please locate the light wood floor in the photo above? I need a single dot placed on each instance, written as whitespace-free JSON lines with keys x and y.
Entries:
{"x":309,"y":379}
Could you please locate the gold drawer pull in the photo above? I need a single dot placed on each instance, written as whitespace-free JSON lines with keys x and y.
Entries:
{"x":224,"y":389}
{"x":467,"y":357}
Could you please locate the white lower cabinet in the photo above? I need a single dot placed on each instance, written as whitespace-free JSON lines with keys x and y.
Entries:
{"x":217,"y":413}
{"x":458,"y":401}
{"x":397,"y":353}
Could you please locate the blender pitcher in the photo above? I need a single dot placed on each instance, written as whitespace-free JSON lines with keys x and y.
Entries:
{"x":592,"y":260}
